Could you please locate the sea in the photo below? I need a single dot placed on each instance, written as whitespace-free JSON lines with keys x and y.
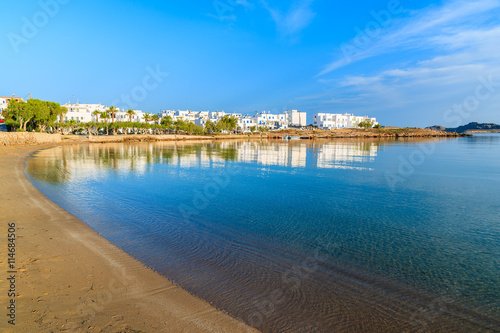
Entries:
{"x":342,"y":235}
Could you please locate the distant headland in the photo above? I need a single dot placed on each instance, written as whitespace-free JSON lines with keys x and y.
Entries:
{"x":473,"y":127}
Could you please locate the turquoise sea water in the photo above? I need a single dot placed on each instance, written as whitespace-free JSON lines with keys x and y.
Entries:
{"x":344,"y":235}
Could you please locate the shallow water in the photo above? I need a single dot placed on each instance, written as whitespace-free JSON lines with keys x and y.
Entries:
{"x":344,"y":235}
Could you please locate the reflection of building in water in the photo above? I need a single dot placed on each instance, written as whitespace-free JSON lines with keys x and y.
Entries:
{"x":344,"y":155}
{"x":281,"y":154}
{"x":200,"y":159}
{"x":66,"y":163}
{"x":331,"y":155}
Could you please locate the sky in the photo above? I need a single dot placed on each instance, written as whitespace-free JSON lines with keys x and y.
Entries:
{"x":407,"y":63}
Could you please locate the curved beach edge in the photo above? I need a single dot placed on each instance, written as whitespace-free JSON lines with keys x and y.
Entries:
{"x":68,"y":278}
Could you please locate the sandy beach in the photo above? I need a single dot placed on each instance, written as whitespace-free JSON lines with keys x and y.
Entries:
{"x":70,"y":279}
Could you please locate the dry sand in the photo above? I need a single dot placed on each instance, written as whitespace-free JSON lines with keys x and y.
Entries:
{"x":70,"y":279}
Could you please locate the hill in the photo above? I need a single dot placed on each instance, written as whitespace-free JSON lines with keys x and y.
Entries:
{"x":473,"y":127}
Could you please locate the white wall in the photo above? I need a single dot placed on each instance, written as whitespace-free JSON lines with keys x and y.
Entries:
{"x":337,"y":121}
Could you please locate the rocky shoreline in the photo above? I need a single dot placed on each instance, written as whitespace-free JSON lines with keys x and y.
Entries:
{"x":366,"y":133}
{"x":23,"y":138}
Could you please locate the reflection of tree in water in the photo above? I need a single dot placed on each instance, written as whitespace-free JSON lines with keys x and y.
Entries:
{"x":227,"y":153}
{"x":53,"y":171}
{"x":108,"y":158}
{"x":187,"y":150}
{"x":56,"y":165}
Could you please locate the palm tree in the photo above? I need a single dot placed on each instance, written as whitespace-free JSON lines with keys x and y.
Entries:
{"x":62,"y":112}
{"x":112,"y":111}
{"x":105,"y":116}
{"x":147,"y":117}
{"x":130,"y":113}
{"x":155,"y":118}
{"x":96,"y":113}
{"x":72,"y":124}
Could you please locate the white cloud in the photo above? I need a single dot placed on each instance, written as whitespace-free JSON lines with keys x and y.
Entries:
{"x":295,"y":20}
{"x":420,"y":31}
{"x":429,"y":62}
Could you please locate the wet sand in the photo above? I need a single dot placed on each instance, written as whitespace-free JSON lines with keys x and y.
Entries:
{"x":70,"y":279}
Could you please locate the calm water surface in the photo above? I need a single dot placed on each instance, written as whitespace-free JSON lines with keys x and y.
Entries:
{"x":303,"y":236}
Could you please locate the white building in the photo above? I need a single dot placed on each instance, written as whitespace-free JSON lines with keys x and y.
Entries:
{"x":217,"y":114}
{"x":336,"y":121}
{"x":4,"y":103}
{"x":185,"y":115}
{"x":199,"y":118}
{"x":345,"y":155}
{"x":167,"y":113}
{"x":263,"y":119}
{"x":270,"y":154}
{"x":272,"y":121}
{"x":203,"y":121}
{"x":246,"y":123}
{"x":84,"y":113}
{"x":296,"y":118}
{"x":137,"y":116}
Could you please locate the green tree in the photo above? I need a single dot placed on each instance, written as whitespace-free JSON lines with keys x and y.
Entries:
{"x":43,"y":112}
{"x":167,"y":121}
{"x":148,"y":117}
{"x":180,"y":125}
{"x":105,"y":116}
{"x":32,"y":114}
{"x":192,"y":128}
{"x":61,"y":111}
{"x":227,"y":123}
{"x":96,"y":113}
{"x":210,"y":127}
{"x":130,"y":113}
{"x":155,"y":118}
{"x":112,"y":111}
{"x":263,"y":129}
{"x":18,"y":114}
{"x":72,"y":124}
{"x":365,"y":124}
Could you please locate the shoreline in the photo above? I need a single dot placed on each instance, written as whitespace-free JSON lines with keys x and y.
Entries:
{"x":113,"y":291}
{"x":406,"y":308}
{"x":28,"y":138}
{"x":69,"y":278}
{"x":393,"y":133}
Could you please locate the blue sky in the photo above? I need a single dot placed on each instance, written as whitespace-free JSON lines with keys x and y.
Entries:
{"x":408,"y":63}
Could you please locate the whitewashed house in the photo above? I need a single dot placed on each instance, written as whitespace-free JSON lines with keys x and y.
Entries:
{"x":272,"y":121}
{"x":167,"y":113}
{"x":4,"y":103}
{"x":337,"y":121}
{"x":246,"y":123}
{"x":84,"y":113}
{"x":138,"y":116}
{"x":296,"y":118}
{"x":263,"y":119}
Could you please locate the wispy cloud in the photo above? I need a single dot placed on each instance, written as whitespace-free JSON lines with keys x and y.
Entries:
{"x":428,"y":62}
{"x":420,"y":31}
{"x":225,"y":10}
{"x":296,"y":19}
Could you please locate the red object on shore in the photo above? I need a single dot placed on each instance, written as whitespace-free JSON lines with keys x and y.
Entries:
{"x":1,"y":120}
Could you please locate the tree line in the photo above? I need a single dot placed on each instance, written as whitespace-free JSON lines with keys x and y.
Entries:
{"x":44,"y":116}
{"x":33,"y":114}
